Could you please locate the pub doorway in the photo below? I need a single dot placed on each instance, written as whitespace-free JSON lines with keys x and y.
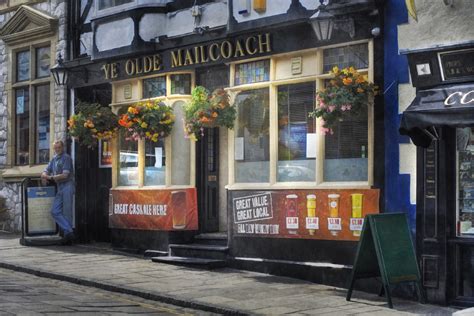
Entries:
{"x":93,"y":181}
{"x":207,"y":157}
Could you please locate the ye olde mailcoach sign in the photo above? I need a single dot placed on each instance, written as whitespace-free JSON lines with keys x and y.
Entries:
{"x":195,"y":55}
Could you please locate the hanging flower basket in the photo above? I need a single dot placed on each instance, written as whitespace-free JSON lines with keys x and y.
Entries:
{"x":347,"y":95}
{"x":151,"y":120}
{"x":92,"y":122}
{"x":207,"y":111}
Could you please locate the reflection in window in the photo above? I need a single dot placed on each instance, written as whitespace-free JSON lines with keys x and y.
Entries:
{"x":104,"y":4}
{"x":252,"y":136}
{"x":22,"y":126}
{"x":181,"y":148}
{"x":154,"y":87}
{"x":181,"y":84}
{"x":356,"y":56}
{"x":128,"y":160}
{"x":155,"y":170}
{"x":296,"y":133}
{"x":23,"y":66}
{"x":465,"y":174}
{"x":346,"y":150}
{"x":42,"y":123}
{"x":252,"y":72}
{"x":43,"y":62}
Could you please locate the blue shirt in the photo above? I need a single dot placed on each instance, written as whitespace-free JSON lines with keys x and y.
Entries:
{"x":61,"y":164}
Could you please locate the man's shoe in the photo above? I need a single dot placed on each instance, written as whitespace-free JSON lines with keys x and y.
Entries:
{"x":69,"y":239}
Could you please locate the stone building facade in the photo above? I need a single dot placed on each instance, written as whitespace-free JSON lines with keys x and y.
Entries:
{"x":30,"y":26}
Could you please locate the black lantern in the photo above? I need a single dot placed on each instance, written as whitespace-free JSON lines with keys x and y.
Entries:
{"x":60,"y":72}
{"x":322,"y":23}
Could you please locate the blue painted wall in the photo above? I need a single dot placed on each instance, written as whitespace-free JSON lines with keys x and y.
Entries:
{"x":397,"y":187}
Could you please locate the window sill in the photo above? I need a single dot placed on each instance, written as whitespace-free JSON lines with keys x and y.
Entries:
{"x":299,"y":186}
{"x":18,"y":173}
{"x":152,"y":187}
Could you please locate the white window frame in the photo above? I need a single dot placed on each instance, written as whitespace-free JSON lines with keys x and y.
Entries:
{"x":169,"y":99}
{"x":272,"y":85}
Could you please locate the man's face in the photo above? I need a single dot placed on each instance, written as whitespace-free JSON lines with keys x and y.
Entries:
{"x":58,"y":148}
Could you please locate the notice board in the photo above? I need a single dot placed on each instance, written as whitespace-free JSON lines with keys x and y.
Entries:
{"x":385,"y":249}
{"x":38,"y":212}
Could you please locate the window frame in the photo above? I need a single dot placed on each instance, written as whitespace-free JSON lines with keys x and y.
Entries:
{"x":31,"y":86}
{"x":273,"y":85}
{"x":169,"y":99}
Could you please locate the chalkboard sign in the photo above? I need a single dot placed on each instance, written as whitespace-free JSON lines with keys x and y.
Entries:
{"x":385,"y":249}
{"x":458,"y":64}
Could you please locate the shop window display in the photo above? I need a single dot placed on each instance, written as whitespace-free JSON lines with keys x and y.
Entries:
{"x":252,"y":152}
{"x":22,"y":123}
{"x":181,"y":150}
{"x":155,"y":163}
{"x":296,"y":133}
{"x":128,"y":161}
{"x":42,"y":124}
{"x":465,"y":180}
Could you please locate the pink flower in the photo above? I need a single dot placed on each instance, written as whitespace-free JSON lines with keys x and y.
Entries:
{"x":331,"y":108}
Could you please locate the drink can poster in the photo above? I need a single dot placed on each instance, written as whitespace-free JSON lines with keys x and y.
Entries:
{"x":153,"y":209}
{"x":305,"y":214}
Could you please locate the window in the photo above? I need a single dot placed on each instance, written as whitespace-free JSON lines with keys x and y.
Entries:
{"x":181,"y":84}
{"x":31,"y":91}
{"x":252,"y":137}
{"x":252,"y":72}
{"x":296,"y":132}
{"x":105,"y":4}
{"x":276,"y":142}
{"x":154,"y":87}
{"x":465,"y":180}
{"x":166,"y":162}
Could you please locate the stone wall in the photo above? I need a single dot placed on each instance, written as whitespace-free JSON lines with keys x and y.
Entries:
{"x":11,"y":191}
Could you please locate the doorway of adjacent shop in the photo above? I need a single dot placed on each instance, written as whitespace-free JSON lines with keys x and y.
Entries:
{"x":207,"y":158}
{"x":93,"y":176}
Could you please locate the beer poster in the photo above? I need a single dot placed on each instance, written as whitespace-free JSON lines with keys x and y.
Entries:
{"x":303,"y":214}
{"x":105,"y":153}
{"x":153,"y":209}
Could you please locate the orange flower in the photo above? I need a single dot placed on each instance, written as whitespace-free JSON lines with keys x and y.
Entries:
{"x":205,"y":119}
{"x":360,"y":90}
{"x":360,"y":79}
{"x":214,"y":114}
{"x":347,"y":81}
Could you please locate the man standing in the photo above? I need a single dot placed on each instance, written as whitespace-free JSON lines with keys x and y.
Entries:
{"x":60,"y":170}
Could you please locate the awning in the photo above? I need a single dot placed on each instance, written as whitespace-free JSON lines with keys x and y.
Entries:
{"x":450,"y":105}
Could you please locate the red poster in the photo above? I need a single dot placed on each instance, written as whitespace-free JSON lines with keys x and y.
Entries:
{"x":307,"y":214}
{"x":154,"y":209}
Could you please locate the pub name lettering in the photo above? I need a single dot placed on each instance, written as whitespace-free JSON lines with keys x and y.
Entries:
{"x":202,"y":54}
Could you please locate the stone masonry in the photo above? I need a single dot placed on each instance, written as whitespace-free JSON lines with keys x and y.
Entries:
{"x":12,"y":191}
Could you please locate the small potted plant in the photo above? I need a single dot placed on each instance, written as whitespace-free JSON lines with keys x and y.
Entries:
{"x":92,"y":122}
{"x":148,"y":119}
{"x":346,"y":95}
{"x":207,"y":110}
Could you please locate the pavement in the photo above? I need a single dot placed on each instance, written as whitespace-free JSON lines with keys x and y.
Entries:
{"x":221,"y":291}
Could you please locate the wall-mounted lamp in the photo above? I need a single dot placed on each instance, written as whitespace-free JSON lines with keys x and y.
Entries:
{"x":60,"y":72}
{"x":324,"y":22}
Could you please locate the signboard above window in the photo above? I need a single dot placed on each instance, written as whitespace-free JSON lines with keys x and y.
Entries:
{"x":457,"y":65}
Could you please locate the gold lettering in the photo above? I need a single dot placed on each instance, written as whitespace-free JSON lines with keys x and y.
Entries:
{"x":157,"y":62}
{"x":137,"y":67}
{"x":446,"y":101}
{"x":176,"y":59}
{"x":204,"y":58}
{"x":188,"y":60}
{"x":147,"y":64}
{"x":211,"y":52}
{"x":464,"y":98}
{"x":248,"y":45}
{"x":130,"y":67}
{"x":106,"y":68}
{"x":113,"y":71}
{"x":238,"y":50}
{"x":266,"y":43}
{"x":226,"y":49}
{"x":196,"y":55}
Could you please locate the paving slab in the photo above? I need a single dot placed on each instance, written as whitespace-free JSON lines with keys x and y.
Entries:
{"x":225,"y":290}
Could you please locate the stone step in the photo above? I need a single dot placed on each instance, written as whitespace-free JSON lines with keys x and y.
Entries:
{"x":191,"y":262}
{"x":41,"y":240}
{"x":155,"y":253}
{"x":211,"y":239}
{"x":216,"y":252}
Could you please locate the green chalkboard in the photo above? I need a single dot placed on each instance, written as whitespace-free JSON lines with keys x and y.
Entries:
{"x":385,"y":249}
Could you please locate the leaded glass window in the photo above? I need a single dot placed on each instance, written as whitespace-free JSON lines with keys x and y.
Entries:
{"x":154,"y":87}
{"x":356,"y":56}
{"x":23,"y":66}
{"x":252,"y":72}
{"x":43,"y":62}
{"x":181,"y":84}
